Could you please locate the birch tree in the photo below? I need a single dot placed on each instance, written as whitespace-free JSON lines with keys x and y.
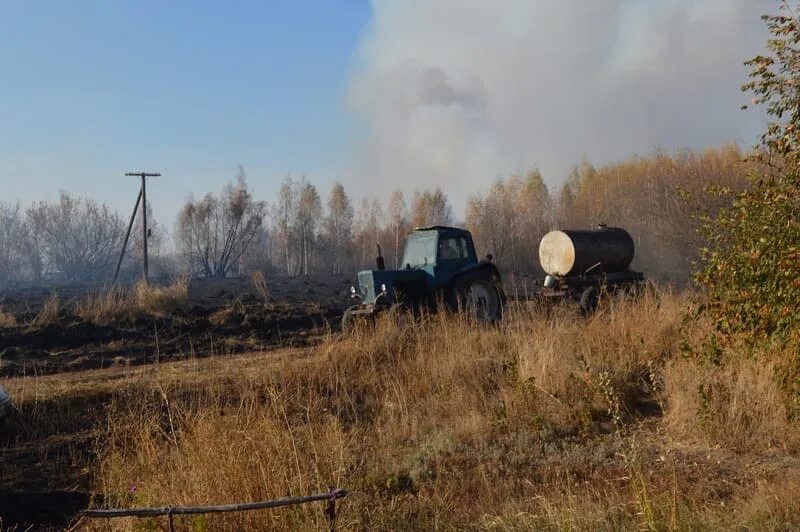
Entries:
{"x":283,"y":216}
{"x":338,"y":227}
{"x":307,"y":216}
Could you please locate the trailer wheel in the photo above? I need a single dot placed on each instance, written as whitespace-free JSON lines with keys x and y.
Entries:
{"x":589,"y":300}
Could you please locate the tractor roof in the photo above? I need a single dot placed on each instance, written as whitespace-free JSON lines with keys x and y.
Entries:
{"x":441,"y":228}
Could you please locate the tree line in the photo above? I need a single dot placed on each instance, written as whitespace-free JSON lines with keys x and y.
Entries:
{"x":660,"y":199}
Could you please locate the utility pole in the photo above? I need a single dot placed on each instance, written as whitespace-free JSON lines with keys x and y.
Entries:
{"x":143,"y":193}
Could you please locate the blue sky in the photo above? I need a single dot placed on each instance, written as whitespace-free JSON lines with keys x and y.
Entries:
{"x":92,"y":89}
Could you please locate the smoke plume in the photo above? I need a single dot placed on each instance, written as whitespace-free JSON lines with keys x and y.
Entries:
{"x":458,"y":92}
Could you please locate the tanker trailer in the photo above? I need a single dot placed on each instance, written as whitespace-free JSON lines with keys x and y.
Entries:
{"x":580,"y":265}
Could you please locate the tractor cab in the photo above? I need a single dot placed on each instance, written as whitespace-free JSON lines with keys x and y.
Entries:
{"x":439,"y":251}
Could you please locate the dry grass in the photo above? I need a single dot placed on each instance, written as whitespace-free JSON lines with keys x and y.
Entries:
{"x":104,"y":306}
{"x":547,"y":422}
{"x":7,"y":319}
{"x":160,"y":300}
{"x":49,"y":312}
{"x":116,"y":303}
{"x":740,"y":404}
{"x":439,"y":424}
{"x":260,"y":284}
{"x":618,"y":353}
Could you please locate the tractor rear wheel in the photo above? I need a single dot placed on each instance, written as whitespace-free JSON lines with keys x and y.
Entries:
{"x":479,"y":298}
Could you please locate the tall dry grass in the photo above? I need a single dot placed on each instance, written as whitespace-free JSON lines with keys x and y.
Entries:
{"x":434,"y":424}
{"x":748,"y":402}
{"x":116,"y":303}
{"x":538,"y":424}
{"x":49,"y":312}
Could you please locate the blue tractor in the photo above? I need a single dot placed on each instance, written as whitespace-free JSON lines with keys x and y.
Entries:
{"x":439,"y":268}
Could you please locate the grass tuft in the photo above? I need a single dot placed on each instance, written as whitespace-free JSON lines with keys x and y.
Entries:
{"x":49,"y":312}
{"x":116,"y":303}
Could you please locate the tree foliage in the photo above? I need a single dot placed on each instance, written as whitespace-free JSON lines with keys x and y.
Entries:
{"x":431,"y":207}
{"x":775,"y":83}
{"x":658,"y":199}
{"x":751,"y":269}
{"x":510,"y":219}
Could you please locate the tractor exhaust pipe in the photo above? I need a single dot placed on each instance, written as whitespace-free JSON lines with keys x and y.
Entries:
{"x":379,"y":262}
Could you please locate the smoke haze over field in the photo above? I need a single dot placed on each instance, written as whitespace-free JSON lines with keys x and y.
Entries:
{"x":457,"y":92}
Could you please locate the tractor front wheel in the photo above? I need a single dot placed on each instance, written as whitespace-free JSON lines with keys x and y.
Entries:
{"x":351,"y":320}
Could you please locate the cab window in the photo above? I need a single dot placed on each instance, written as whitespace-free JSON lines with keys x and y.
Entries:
{"x":452,"y":248}
{"x":419,"y":251}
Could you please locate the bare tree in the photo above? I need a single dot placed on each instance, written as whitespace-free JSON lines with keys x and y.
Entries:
{"x":491,"y":219}
{"x":368,"y":229}
{"x":258,"y":255}
{"x":431,"y":208}
{"x":338,"y":226}
{"x":79,"y":237}
{"x":533,"y":214}
{"x":510,"y":218}
{"x":215,"y":232}
{"x":398,"y":222}
{"x":16,"y":244}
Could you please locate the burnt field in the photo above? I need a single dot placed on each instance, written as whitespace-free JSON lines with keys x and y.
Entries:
{"x":54,"y":329}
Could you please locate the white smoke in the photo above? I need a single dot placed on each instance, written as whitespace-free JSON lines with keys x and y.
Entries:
{"x":458,"y":92}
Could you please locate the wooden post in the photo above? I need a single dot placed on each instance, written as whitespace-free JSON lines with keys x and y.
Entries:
{"x":144,"y":237}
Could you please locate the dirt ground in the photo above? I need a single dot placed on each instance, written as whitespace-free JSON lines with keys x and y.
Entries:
{"x":219,"y":317}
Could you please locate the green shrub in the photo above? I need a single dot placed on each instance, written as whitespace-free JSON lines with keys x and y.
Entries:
{"x":751,"y":269}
